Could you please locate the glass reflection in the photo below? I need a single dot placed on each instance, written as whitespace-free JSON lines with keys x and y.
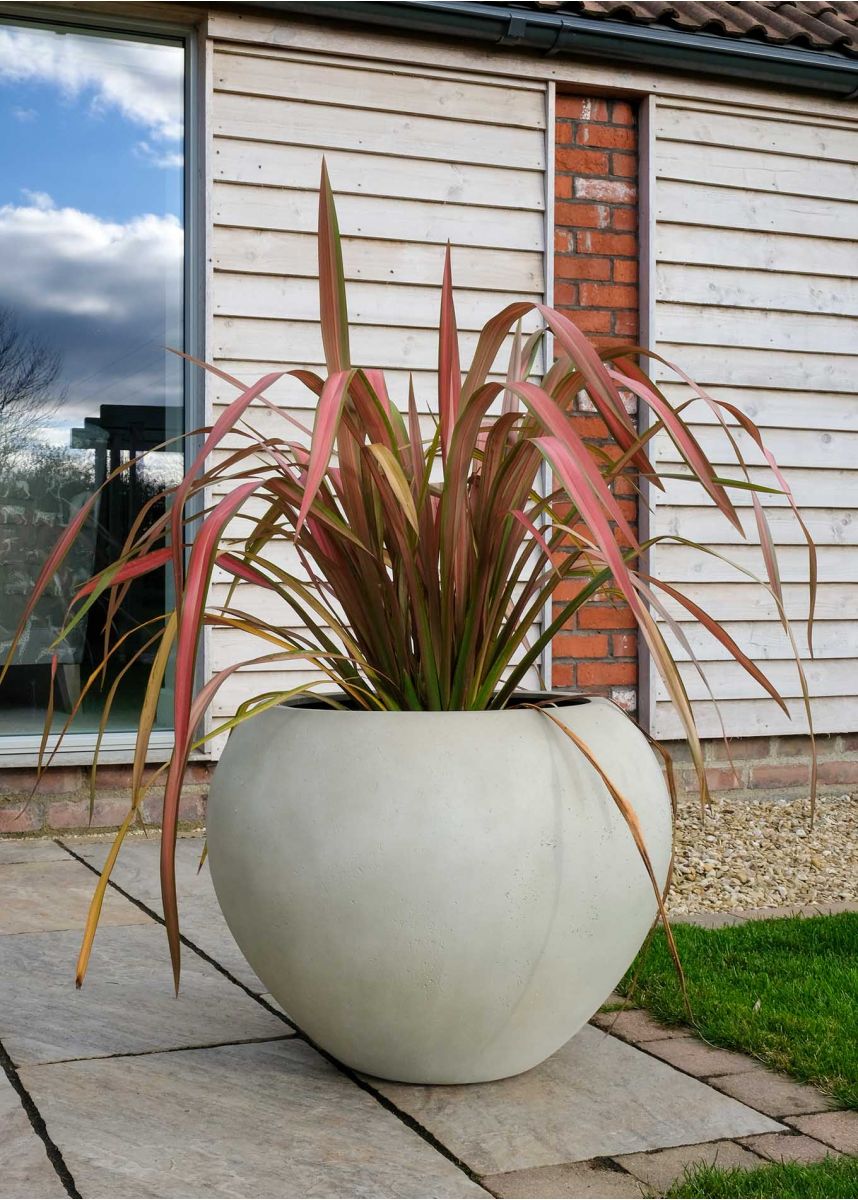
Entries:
{"x":91,"y":294}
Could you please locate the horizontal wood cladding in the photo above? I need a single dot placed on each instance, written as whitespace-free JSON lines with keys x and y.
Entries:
{"x":418,"y":157}
{"x":756,"y":243}
{"x":363,"y":85}
{"x":385,"y":175}
{"x":502,"y":63}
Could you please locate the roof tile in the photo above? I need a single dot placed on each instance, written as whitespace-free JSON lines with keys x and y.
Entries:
{"x":809,"y":24}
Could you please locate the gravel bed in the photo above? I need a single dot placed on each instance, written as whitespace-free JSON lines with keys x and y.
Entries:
{"x":764,"y":853}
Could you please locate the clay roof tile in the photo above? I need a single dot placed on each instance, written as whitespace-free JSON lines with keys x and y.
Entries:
{"x":822,"y":25}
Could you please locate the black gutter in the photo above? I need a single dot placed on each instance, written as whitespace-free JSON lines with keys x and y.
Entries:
{"x":552,"y":33}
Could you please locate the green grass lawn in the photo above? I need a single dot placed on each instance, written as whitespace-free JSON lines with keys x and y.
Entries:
{"x":785,"y":991}
{"x":832,"y":1177}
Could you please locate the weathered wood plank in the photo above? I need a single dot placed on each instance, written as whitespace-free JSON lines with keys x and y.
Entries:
{"x":682,"y":564}
{"x":355,"y":86}
{"x":245,"y":206}
{"x":825,"y":677}
{"x":760,"y":718}
{"x":756,"y":250}
{"x":737,"y":208}
{"x":255,"y":118}
{"x":386,"y":175}
{"x":257,"y":251}
{"x":294,"y":395}
{"x":813,"y":490}
{"x":763,"y":641}
{"x":372,"y":345}
{"x":297,"y":299}
{"x":746,"y":289}
{"x":777,"y":410}
{"x":748,"y":602}
{"x":828,"y":526}
{"x":756,"y":329}
{"x":697,"y":162}
{"x":815,"y":142}
{"x":741,"y":104}
{"x":244,"y":685}
{"x":803,"y":450}
{"x":736,"y":367}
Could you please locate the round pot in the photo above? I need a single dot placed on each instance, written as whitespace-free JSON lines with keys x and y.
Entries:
{"x":437,"y":897}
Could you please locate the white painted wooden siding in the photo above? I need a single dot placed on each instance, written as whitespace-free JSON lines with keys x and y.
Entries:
{"x":756,"y":246}
{"x":417,"y":156}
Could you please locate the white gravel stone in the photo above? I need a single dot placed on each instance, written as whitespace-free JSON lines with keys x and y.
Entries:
{"x":746,"y":854}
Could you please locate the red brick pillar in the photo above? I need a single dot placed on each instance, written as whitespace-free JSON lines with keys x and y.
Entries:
{"x":595,"y":270}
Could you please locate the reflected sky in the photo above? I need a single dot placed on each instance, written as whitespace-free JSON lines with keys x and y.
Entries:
{"x":91,"y":240}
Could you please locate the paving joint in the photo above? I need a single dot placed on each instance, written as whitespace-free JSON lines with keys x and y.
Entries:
{"x":150,"y":912}
{"x":37,"y":1121}
{"x":404,"y":1117}
{"x":84,"y":1058}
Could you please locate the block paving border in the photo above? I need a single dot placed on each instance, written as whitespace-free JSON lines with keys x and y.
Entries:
{"x":816,"y":1128}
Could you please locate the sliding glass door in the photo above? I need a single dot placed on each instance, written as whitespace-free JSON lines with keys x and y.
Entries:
{"x":92,"y":248}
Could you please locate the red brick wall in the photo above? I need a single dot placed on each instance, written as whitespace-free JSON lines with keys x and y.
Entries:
{"x":772,"y":766}
{"x":61,"y":801}
{"x":596,"y":283}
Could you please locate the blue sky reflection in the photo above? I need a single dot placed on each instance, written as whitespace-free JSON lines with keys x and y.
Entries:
{"x":91,"y":242}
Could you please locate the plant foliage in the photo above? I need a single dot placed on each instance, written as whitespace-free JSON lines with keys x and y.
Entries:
{"x":424,"y":548}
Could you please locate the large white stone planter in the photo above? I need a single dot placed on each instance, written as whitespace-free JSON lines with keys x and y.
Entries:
{"x":436,"y":897}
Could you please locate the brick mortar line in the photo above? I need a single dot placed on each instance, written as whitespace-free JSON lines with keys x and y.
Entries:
{"x":404,"y":1117}
{"x":37,"y":1122}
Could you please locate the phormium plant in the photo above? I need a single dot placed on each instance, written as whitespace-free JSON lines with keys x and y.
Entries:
{"x":426,"y":559}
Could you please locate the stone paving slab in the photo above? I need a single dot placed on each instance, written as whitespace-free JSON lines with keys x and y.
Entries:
{"x":581,"y":1180}
{"x":595,"y":1097}
{"x":16,"y":850}
{"x":636,"y":1025}
{"x":127,"y":1004}
{"x":268,"y":1119}
{"x":39,"y":896}
{"x":788,"y":1147}
{"x":137,"y":871}
{"x":25,"y":1170}
{"x":698,"y":1058}
{"x":662,"y":1168}
{"x":837,"y":1129}
{"x":777,"y":1095}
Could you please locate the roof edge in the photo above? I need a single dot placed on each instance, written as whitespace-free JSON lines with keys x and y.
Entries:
{"x":550,"y":33}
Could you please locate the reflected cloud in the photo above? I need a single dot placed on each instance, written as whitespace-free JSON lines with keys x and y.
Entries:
{"x":105,"y":295}
{"x":138,"y":79}
{"x":166,"y":159}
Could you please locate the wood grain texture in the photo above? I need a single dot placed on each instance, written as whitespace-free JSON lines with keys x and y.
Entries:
{"x":418,"y":158}
{"x":757,"y":246}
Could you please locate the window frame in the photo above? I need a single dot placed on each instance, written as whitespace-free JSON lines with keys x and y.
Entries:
{"x":22,"y":750}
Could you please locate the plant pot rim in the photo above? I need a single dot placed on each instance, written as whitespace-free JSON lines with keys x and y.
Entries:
{"x":519,"y":702}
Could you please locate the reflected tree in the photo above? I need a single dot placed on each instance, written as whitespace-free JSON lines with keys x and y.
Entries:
{"x":29,"y":390}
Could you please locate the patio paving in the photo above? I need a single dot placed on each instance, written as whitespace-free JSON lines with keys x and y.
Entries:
{"x":123,"y":1090}
{"x":595,"y":1097}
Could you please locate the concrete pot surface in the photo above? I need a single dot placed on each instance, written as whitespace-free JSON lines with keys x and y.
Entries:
{"x":438,"y":897}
